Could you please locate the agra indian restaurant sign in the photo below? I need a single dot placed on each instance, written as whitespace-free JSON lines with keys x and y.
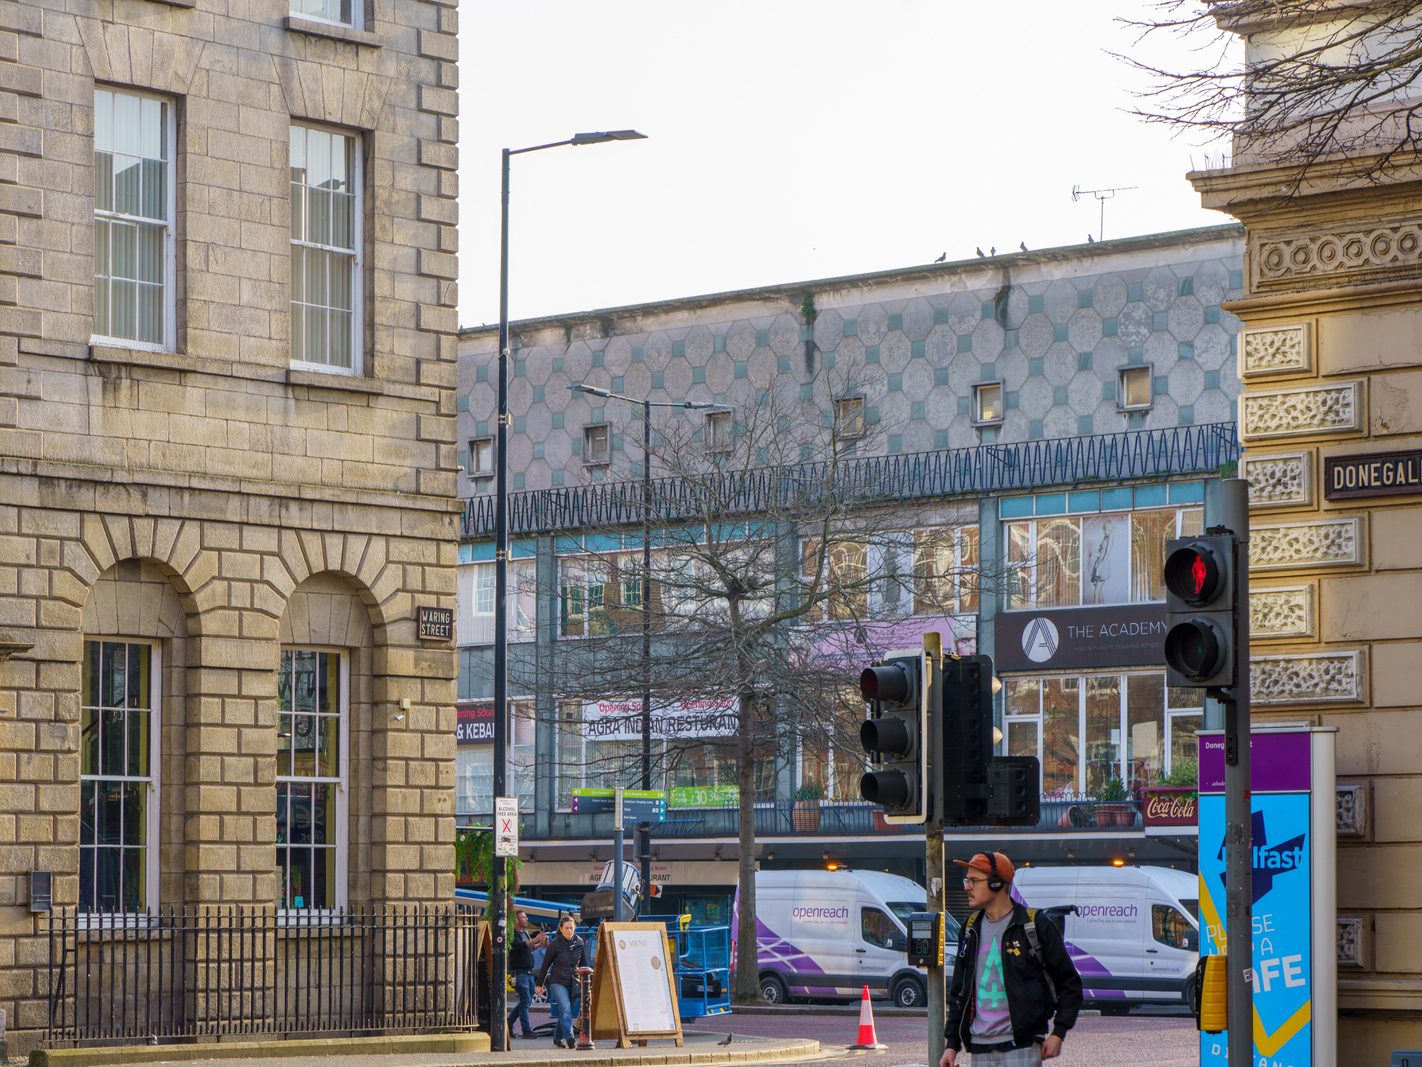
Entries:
{"x":1375,"y":474}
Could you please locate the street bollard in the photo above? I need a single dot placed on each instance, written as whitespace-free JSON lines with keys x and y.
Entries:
{"x":585,"y":1041}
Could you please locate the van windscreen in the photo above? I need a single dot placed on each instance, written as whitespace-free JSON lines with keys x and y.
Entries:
{"x":902,"y":909}
{"x":1193,"y":907}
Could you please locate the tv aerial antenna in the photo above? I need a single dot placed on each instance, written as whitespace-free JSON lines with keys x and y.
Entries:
{"x":1102,"y":195}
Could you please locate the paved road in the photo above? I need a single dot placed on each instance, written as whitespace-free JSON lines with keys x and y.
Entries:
{"x":1162,"y":1040}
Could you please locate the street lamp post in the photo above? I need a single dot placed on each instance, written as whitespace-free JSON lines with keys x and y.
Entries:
{"x":644,"y":846}
{"x":501,"y":576}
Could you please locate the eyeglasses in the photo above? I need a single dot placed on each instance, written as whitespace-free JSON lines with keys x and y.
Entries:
{"x":968,"y":883}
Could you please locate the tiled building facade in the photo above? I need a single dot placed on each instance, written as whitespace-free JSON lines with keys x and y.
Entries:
{"x":227,"y":366}
{"x":982,"y":361}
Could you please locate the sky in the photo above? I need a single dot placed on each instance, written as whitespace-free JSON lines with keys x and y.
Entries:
{"x":790,"y":140}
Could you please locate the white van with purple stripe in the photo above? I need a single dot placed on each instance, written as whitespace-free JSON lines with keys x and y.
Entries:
{"x":828,"y":934}
{"x":1133,"y":932}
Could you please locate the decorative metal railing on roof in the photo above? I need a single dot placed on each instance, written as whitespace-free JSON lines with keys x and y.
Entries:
{"x":1131,"y":455}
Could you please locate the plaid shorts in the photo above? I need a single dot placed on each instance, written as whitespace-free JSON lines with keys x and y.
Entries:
{"x":1016,"y":1057}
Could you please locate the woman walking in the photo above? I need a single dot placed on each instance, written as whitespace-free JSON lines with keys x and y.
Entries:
{"x":565,"y":954}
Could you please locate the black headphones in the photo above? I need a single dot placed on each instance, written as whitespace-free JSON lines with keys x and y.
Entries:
{"x":994,"y":882}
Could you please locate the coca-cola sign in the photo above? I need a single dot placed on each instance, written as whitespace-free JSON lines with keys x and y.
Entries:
{"x":1171,"y":806}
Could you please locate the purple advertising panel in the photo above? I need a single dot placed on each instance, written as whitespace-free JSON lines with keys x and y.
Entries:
{"x":1278,"y":763}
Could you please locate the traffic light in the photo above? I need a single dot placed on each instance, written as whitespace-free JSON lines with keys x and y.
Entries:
{"x":1014,"y":791}
{"x":895,"y":733}
{"x":967,"y":738}
{"x":1200,"y":604}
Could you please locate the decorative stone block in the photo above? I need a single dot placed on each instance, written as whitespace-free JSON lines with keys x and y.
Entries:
{"x":1281,"y":612}
{"x":1354,"y":942}
{"x":1271,"y":350}
{"x":1281,"y":262}
{"x":1307,"y":678}
{"x":1279,"y":480}
{"x":1354,"y":809}
{"x":1314,"y":409}
{"x":1313,"y":543}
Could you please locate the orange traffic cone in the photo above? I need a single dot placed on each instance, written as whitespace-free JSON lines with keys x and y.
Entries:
{"x":867,"y":1039}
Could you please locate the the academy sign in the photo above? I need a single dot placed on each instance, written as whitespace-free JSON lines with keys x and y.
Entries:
{"x":1122,"y":635}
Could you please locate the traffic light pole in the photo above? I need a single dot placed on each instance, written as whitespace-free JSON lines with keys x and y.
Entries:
{"x":1239,"y":865}
{"x":933,"y":867}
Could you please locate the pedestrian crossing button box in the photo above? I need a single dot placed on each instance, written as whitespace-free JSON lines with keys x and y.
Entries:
{"x":925,"y":938}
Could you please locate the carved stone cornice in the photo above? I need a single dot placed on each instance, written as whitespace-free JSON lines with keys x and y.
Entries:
{"x":1307,"y":678}
{"x":1313,"y":410}
{"x":1266,"y":351}
{"x":1278,"y":479}
{"x":1328,"y":257}
{"x":1282,"y":611}
{"x":1331,"y":542}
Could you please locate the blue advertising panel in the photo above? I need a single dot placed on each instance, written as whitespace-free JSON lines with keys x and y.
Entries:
{"x":1283,"y":845}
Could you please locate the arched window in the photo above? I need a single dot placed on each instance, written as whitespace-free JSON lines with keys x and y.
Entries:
{"x":118,"y":777}
{"x":311,"y":778}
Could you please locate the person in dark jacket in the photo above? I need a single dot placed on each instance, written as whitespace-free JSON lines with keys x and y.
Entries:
{"x":526,"y":938}
{"x":561,"y":960}
{"x":1014,"y":996}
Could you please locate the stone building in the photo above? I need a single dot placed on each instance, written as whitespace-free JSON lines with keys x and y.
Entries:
{"x":227,"y":462}
{"x":1329,"y":415}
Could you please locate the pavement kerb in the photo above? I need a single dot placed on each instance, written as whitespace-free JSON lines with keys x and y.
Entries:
{"x":394,"y":1045}
{"x":468,"y":1048}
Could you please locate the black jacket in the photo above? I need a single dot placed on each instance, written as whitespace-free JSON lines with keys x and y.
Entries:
{"x":1029,"y":997}
{"x":561,"y":960}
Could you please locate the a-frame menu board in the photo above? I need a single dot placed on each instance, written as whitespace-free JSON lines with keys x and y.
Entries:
{"x":633,"y":987}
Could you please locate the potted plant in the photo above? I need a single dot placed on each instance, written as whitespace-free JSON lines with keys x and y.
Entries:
{"x":806,"y":814}
{"x":1113,"y":806}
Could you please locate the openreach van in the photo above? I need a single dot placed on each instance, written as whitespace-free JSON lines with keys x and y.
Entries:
{"x":1133,"y":932}
{"x":830,"y":933}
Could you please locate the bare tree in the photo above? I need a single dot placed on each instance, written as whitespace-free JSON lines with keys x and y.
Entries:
{"x":776,"y":575}
{"x":1329,"y":84}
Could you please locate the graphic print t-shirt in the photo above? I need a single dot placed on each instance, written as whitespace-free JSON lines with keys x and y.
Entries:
{"x":991,"y":1021}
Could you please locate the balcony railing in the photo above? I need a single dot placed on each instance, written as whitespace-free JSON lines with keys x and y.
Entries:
{"x":1026,"y":465}
{"x":827,"y":820}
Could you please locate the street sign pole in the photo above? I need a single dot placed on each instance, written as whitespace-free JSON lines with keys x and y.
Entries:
{"x":1239,"y":863}
{"x":617,"y":832}
{"x":933,"y":839}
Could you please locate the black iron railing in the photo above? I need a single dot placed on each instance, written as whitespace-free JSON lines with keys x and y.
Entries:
{"x":210,"y":971}
{"x":832,"y":819}
{"x":1022,"y":466}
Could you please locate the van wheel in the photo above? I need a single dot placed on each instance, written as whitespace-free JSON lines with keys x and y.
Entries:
{"x":1190,"y":997}
{"x":909,"y":993}
{"x":772,"y":990}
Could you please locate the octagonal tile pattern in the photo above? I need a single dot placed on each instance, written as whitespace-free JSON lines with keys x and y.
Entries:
{"x":1056,"y":338}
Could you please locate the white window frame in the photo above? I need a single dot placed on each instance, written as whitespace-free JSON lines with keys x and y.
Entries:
{"x":152,"y":821}
{"x":292,"y":915}
{"x":357,"y":181}
{"x":476,"y":469}
{"x":980,"y":391}
{"x":170,"y":259}
{"x":357,"y":20}
{"x":849,"y":417}
{"x":589,"y":434}
{"x":1134,"y":369}
{"x":720,"y":431}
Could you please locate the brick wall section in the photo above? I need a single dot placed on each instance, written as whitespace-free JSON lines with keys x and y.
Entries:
{"x":212,"y":498}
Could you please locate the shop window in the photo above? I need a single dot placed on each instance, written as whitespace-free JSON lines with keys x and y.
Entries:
{"x":1145,"y":730}
{"x":118,"y":779}
{"x":311,"y":779}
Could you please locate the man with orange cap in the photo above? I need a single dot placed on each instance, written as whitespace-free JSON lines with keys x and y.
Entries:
{"x":1013,"y":981}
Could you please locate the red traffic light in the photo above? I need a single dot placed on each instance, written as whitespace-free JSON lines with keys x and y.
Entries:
{"x":1195,"y":573}
{"x":888,"y":682}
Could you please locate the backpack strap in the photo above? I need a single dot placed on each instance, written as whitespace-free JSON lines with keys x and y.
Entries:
{"x":1035,"y":947}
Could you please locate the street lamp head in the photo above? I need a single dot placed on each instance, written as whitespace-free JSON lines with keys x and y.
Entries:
{"x":697,"y":405}
{"x":591,"y":390}
{"x":603,"y":136}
